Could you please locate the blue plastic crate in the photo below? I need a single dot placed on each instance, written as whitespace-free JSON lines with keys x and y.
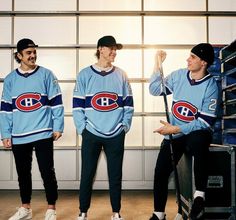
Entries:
{"x":229,"y":137}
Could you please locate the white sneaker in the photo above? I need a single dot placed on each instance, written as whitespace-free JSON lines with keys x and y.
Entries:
{"x":50,"y":214}
{"x":22,"y":214}
{"x":116,"y":217}
{"x":82,"y":216}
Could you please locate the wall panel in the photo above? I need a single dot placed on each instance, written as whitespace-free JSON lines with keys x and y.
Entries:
{"x":45,"y":5}
{"x":215,"y":33}
{"x":67,"y":34}
{"x":5,"y":27}
{"x":174,"y":30}
{"x":107,"y":5}
{"x":125,"y":29}
{"x":219,"y":5}
{"x":46,"y":30}
{"x":180,"y":5}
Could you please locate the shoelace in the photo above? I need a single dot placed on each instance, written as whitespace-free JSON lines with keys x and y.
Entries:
{"x":50,"y":214}
{"x":20,"y":211}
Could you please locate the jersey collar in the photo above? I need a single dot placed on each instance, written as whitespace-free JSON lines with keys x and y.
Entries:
{"x":198,"y":81}
{"x":102,"y":72}
{"x":26,"y":74}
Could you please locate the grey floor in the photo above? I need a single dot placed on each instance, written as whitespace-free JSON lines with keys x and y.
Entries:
{"x":136,"y":205}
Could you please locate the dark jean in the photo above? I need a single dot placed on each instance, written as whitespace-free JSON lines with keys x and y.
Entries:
{"x":196,"y":144}
{"x":23,"y":159}
{"x":92,"y":146}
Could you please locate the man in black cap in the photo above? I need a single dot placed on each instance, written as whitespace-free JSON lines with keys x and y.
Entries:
{"x":192,"y":116}
{"x":32,"y":117}
{"x":102,"y":112}
{"x":23,"y":44}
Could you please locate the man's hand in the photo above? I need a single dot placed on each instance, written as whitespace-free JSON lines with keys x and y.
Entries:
{"x":56,"y":135}
{"x":167,"y":129}
{"x":159,"y":59}
{"x":7,"y":143}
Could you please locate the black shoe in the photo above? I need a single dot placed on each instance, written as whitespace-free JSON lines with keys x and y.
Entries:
{"x":198,"y":209}
{"x":154,"y":217}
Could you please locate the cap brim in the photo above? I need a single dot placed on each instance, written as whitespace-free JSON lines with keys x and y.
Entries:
{"x":34,"y":46}
{"x":119,"y":46}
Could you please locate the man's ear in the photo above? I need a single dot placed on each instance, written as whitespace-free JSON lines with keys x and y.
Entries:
{"x":19,"y":55}
{"x":204,"y":63}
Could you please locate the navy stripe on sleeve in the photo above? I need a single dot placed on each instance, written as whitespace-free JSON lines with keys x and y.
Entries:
{"x":5,"y":106}
{"x":78,"y":102}
{"x":129,"y":101}
{"x":57,"y":100}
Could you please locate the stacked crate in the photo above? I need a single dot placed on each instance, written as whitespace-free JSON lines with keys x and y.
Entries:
{"x":220,"y":193}
{"x":215,"y":70}
{"x":228,"y":60}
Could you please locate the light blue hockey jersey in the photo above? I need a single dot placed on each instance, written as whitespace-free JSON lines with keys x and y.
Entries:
{"x":31,"y":106}
{"x":102,"y":102}
{"x":194,"y":101}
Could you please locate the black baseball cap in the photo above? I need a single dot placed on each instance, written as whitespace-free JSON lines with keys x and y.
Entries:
{"x":108,"y":41}
{"x":205,"y":52}
{"x":24,"y":44}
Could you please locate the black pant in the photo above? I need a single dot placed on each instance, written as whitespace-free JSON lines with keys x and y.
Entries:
{"x":23,"y":160}
{"x":114,"y":151}
{"x":196,"y":144}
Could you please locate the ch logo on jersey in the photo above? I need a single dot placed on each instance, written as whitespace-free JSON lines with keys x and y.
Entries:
{"x":28,"y":102}
{"x":184,"y":111}
{"x":104,"y":101}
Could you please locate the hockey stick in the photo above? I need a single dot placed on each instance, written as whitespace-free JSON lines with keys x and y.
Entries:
{"x":179,"y":215}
